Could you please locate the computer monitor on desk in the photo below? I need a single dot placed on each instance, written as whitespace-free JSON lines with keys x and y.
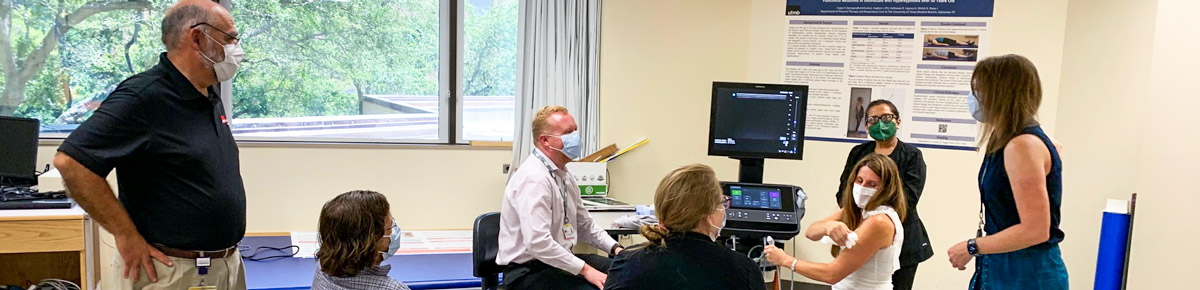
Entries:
{"x":750,"y":122}
{"x":18,"y":151}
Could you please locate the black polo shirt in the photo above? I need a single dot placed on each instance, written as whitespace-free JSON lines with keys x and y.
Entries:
{"x":176,"y":159}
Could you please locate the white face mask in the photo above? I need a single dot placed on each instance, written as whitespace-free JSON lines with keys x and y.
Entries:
{"x":233,"y":57}
{"x":862,"y":195}
{"x":723,"y":220}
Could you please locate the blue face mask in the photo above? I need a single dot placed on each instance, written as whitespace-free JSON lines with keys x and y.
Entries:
{"x":393,"y":243}
{"x":973,"y":104}
{"x":571,"y":145}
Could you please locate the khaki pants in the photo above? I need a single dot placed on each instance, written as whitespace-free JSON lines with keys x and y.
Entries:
{"x":225,"y":273}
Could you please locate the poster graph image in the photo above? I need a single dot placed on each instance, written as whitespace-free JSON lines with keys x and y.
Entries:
{"x":919,"y":56}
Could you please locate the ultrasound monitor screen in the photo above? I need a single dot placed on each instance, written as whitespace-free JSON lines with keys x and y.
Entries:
{"x":761,"y":121}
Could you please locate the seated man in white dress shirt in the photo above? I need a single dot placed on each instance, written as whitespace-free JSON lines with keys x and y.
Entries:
{"x":542,"y":216}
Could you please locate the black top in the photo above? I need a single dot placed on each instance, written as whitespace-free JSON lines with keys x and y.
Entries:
{"x":908,"y":158}
{"x":176,"y":159}
{"x":997,"y":195}
{"x":687,"y":261}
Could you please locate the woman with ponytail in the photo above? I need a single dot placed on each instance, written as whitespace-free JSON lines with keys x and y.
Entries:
{"x":681,"y":252}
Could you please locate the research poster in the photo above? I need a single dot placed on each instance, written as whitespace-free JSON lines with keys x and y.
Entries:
{"x":918,"y":54}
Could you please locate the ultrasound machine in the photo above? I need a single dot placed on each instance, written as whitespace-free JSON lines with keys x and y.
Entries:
{"x":750,"y":123}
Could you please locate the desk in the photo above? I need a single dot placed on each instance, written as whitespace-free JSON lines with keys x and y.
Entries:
{"x":426,"y":271}
{"x":604,"y":218}
{"x":37,"y":244}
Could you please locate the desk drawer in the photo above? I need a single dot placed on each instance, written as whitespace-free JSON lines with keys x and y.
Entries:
{"x":26,"y":236}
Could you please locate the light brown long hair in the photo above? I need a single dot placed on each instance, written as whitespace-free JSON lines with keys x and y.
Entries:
{"x":890,"y":193}
{"x":683,"y":200}
{"x":1009,"y":92}
{"x":349,"y":228}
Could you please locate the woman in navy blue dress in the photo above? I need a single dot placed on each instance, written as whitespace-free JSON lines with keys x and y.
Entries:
{"x":1020,"y":183}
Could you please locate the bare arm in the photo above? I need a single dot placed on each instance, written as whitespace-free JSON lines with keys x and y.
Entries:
{"x":1026,"y":160}
{"x":875,"y":233}
{"x":93,"y":193}
{"x":820,"y":228}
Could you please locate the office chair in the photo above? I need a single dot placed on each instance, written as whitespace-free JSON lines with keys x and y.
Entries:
{"x":486,"y":235}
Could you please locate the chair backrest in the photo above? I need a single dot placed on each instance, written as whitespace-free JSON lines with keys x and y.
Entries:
{"x":485,"y":245}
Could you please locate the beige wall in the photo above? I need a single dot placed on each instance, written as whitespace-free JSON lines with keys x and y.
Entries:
{"x":1100,"y":119}
{"x":430,"y":188}
{"x":659,"y":59}
{"x":1163,"y":233}
{"x":657,"y":64}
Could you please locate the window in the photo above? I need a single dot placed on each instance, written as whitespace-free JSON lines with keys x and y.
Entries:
{"x":489,"y":78}
{"x":61,"y":78}
{"x":324,"y":70}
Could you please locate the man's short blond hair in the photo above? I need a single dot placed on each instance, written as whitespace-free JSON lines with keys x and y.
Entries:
{"x":539,"y":119}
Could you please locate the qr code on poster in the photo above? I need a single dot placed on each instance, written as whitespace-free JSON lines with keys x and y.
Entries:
{"x":942,"y":128}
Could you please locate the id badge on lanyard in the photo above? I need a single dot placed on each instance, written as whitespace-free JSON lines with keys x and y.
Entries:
{"x":569,"y":233}
{"x":568,"y":230}
{"x":202,"y":264}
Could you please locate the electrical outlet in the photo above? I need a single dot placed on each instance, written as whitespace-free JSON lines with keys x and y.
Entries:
{"x":504,"y":168}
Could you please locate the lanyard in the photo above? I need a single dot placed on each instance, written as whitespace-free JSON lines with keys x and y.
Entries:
{"x":562,"y":190}
{"x":982,"y":174}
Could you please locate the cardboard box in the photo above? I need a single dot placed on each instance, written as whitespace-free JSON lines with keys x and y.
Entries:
{"x":591,"y":172}
{"x":592,"y":177}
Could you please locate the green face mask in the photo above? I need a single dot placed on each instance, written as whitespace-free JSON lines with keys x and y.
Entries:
{"x":883,"y":130}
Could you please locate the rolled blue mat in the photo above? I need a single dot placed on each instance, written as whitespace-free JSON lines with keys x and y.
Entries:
{"x":1114,"y":239}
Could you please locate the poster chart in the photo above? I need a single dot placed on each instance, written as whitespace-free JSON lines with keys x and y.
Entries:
{"x":918,"y":54}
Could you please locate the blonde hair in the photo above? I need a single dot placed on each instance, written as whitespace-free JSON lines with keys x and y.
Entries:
{"x":1009,"y":92}
{"x":683,"y":200}
{"x":890,"y":193}
{"x":539,"y":119}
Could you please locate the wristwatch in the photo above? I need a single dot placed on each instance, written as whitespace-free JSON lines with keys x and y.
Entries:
{"x":972,"y":248}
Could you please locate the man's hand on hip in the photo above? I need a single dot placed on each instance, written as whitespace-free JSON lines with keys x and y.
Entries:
{"x":137,"y":254}
{"x":593,"y":276}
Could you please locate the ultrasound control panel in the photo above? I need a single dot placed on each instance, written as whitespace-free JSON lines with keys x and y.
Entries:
{"x":761,"y":216}
{"x":763,"y":209}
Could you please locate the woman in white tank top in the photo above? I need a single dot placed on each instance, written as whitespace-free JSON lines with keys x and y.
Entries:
{"x":867,"y":242}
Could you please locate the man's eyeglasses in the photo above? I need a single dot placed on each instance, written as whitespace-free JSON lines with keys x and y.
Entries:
{"x":231,"y":37}
{"x":885,"y":118}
